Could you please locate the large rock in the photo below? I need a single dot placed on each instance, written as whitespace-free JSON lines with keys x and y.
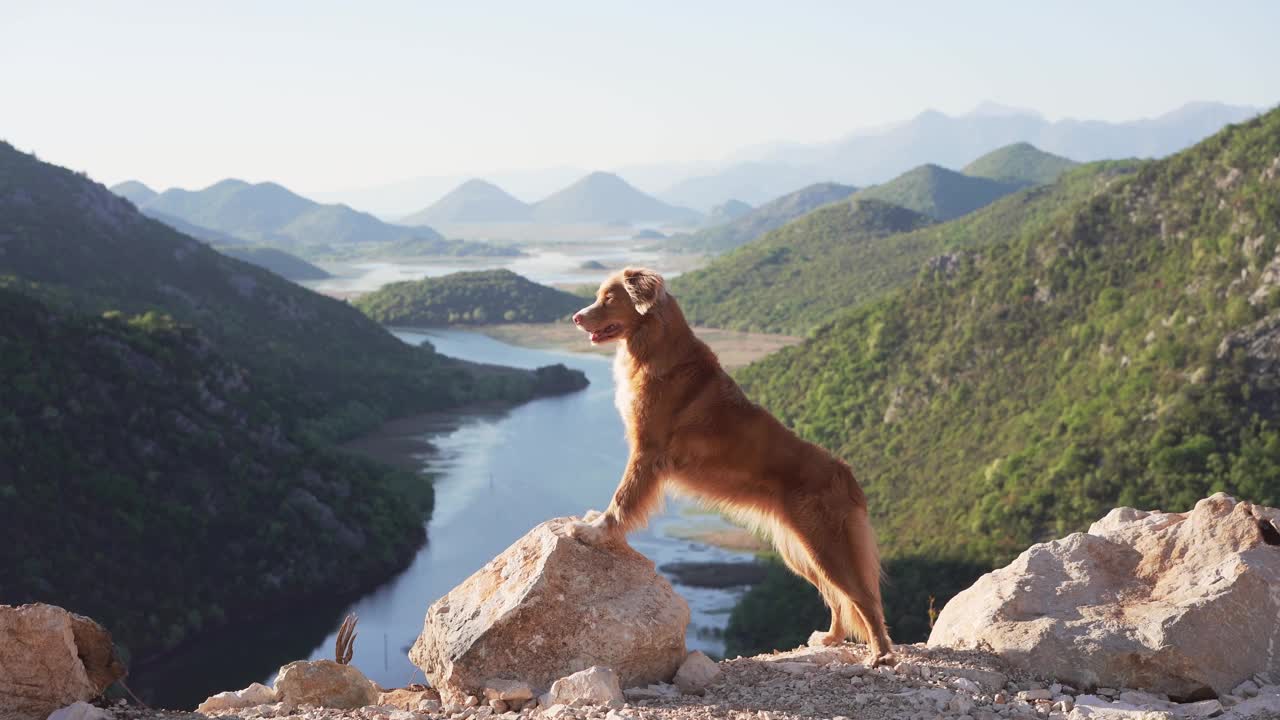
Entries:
{"x":51,"y":658}
{"x":549,"y":606}
{"x":324,"y":683}
{"x":1187,"y":604}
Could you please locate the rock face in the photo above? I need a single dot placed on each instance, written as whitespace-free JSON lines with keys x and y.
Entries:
{"x":324,"y":683}
{"x":549,"y":606}
{"x":51,"y":658}
{"x":1186,"y":604}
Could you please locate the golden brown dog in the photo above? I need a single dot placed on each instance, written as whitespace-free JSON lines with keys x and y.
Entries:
{"x":688,"y":423}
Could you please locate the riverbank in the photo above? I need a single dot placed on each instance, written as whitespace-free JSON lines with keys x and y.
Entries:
{"x":735,"y":348}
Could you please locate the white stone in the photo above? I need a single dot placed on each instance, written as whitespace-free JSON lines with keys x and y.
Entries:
{"x":252,"y":696}
{"x":966,"y":684}
{"x":593,"y":686}
{"x":696,"y":673}
{"x":80,"y":710}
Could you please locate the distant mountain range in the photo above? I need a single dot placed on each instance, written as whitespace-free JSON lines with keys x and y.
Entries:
{"x":266,"y":213}
{"x":727,"y":211}
{"x":599,"y":197}
{"x":870,"y":157}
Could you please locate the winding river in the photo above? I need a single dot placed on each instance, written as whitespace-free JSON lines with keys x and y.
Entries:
{"x":497,"y":474}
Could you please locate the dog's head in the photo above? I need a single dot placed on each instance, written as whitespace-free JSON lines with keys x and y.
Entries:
{"x":624,"y":302}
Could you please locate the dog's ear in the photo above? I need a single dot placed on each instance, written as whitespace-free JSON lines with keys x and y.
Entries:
{"x":645,"y":287}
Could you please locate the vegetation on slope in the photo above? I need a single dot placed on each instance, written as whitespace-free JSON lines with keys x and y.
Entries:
{"x":940,"y":193}
{"x":290,"y":267}
{"x":468,"y":298}
{"x":1019,"y":165}
{"x":1122,"y":353}
{"x":754,"y":223}
{"x":807,"y":272}
{"x":154,"y":488}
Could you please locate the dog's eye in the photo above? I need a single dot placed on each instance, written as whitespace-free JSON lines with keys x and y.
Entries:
{"x":608,"y":299}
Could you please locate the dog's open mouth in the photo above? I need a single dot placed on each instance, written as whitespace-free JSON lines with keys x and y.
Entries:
{"x":608,"y":332}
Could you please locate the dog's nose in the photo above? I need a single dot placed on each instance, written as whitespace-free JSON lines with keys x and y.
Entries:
{"x":577,"y":318}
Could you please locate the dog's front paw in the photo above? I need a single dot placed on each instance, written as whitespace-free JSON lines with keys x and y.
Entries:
{"x":594,"y":529}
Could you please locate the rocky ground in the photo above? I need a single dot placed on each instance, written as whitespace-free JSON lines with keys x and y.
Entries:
{"x":927,"y":684}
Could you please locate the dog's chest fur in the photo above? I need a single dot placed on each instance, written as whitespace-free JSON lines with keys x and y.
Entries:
{"x":624,"y":396}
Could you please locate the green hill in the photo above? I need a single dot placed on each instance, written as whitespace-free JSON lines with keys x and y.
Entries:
{"x":467,"y":298}
{"x":290,"y":267}
{"x":606,"y":198}
{"x":135,"y":192}
{"x":805,"y":273}
{"x":206,"y":401}
{"x":1020,"y":165}
{"x":472,"y":201}
{"x":754,"y":223}
{"x":1115,"y":348}
{"x":940,"y":193}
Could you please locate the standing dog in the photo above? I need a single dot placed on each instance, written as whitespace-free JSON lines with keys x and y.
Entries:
{"x":688,"y":423}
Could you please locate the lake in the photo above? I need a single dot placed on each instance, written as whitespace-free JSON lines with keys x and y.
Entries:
{"x":497,"y":474}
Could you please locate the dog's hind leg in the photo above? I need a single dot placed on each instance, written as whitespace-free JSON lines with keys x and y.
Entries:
{"x":797,"y":558}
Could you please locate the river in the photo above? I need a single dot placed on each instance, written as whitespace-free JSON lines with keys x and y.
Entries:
{"x":497,"y":474}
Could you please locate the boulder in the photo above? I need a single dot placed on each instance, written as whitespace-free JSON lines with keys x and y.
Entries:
{"x":1185,"y":604}
{"x":325,"y":683}
{"x":548,"y":606}
{"x":252,"y":696}
{"x":50,"y":659}
{"x":593,"y":686}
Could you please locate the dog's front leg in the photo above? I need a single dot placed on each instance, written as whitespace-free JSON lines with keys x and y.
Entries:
{"x":637,"y":495}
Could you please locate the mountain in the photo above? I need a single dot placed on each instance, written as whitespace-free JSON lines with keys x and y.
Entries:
{"x":290,"y":267}
{"x":162,"y":398}
{"x":1020,"y":165}
{"x":472,"y":201}
{"x":606,"y":198}
{"x":134,"y":191}
{"x":803,"y":274}
{"x":727,"y":211}
{"x":751,"y":182}
{"x":869,"y":157}
{"x":771,"y":215}
{"x":468,"y":298}
{"x":267,"y":213}
{"x":1112,"y":347}
{"x":940,"y":193}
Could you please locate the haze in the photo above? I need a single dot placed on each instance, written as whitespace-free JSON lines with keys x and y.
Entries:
{"x":329,"y":96}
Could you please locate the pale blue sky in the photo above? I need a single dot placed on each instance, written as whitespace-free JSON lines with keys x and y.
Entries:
{"x":329,"y":95}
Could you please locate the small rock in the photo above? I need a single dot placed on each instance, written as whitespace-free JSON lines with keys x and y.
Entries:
{"x":558,"y":710}
{"x":499,"y":705}
{"x":252,"y":696}
{"x":1202,"y":709}
{"x":851,"y":670}
{"x":1064,"y":705}
{"x":594,"y":686}
{"x":960,"y":704}
{"x":409,"y":698}
{"x":507,"y":690}
{"x":471,"y":701}
{"x":1246,"y":689}
{"x":1000,"y":698}
{"x":81,"y":710}
{"x":1036,"y":694}
{"x":696,"y":673}
{"x":325,"y":683}
{"x":966,"y":685}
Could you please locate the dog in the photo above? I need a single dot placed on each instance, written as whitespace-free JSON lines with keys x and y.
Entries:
{"x":690,"y":427}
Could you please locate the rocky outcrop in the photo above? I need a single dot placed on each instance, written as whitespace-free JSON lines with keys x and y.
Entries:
{"x":50,"y":659}
{"x":1183,"y":604}
{"x":550,"y":606}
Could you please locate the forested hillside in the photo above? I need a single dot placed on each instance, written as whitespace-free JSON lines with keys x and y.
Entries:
{"x":1119,"y":347}
{"x":468,"y":298}
{"x":805,"y":273}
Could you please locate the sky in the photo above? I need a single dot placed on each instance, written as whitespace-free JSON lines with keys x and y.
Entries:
{"x":322,"y":95}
